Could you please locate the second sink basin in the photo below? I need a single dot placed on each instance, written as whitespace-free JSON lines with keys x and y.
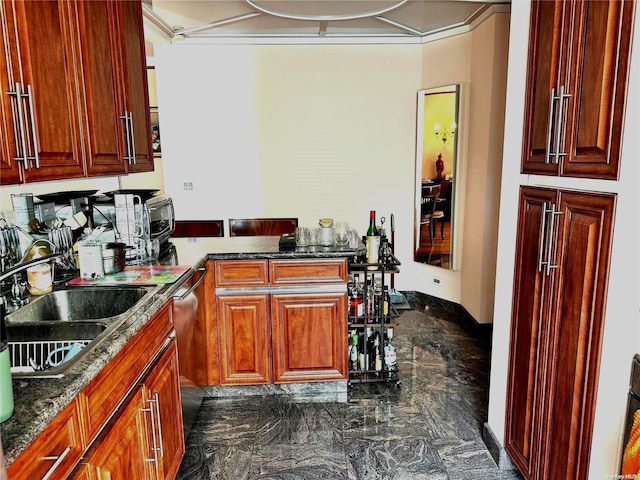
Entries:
{"x":82,"y":317}
{"x":80,"y":303}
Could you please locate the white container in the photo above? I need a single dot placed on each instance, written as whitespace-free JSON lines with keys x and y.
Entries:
{"x":90,"y":255}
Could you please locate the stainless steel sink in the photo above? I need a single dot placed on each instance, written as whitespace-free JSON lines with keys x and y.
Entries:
{"x":81,"y":303}
{"x":83,"y":316}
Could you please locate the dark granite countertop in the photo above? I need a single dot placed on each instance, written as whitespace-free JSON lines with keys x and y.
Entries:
{"x":38,"y":401}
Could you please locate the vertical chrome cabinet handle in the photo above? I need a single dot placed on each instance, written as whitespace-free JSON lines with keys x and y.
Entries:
{"x":552,"y":99}
{"x":560,"y":127}
{"x":543,"y":237}
{"x":156,"y":401}
{"x":34,"y":131}
{"x":552,"y":240}
{"x":58,"y":460}
{"x":133,"y":139}
{"x":152,"y":413}
{"x":21,"y":131}
{"x":127,"y":135}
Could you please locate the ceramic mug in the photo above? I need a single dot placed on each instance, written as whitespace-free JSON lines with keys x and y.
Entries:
{"x":71,"y":351}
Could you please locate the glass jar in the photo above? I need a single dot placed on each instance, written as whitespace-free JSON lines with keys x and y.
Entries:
{"x":326,"y":237}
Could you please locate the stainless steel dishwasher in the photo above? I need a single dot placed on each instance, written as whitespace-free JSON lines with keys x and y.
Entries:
{"x":188,"y":308}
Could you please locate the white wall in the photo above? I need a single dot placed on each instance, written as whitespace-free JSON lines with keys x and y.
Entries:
{"x":323,"y":130}
{"x":622,"y":320}
{"x":303,"y":131}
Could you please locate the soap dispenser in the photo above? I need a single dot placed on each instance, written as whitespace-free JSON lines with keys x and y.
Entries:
{"x":6,"y":388}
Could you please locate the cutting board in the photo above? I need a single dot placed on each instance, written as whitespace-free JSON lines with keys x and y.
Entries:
{"x":138,"y":275}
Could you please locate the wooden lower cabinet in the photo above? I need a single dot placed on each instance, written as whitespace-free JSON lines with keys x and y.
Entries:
{"x":560,"y":286}
{"x":162,"y":397}
{"x":281,"y":320}
{"x":309,"y":337}
{"x":145,"y":440}
{"x":56,"y":450}
{"x":123,"y":450}
{"x":243,"y":321}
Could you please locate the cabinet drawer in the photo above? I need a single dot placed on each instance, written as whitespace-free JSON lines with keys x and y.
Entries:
{"x":102,"y":396}
{"x":241,"y":273}
{"x":55,"y":451}
{"x":288,"y":272}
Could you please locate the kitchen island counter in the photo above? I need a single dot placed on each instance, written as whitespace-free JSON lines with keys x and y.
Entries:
{"x":192,"y":250}
{"x":39,"y":400}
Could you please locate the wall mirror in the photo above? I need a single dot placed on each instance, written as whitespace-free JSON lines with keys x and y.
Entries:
{"x":436,"y":162}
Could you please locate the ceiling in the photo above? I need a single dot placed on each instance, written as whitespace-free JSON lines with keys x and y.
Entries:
{"x":415,"y":20}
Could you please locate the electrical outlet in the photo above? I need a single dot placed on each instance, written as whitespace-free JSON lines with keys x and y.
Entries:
{"x":187,"y":185}
{"x":437,"y":281}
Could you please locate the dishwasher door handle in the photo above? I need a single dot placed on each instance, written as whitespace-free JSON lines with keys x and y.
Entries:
{"x":203,"y":271}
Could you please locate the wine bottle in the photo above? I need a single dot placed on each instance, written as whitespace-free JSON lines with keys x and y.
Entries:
{"x":386,"y":301}
{"x":370,"y":301}
{"x":390,"y":354}
{"x":377,"y":353}
{"x":371,"y":231}
{"x":355,"y":300}
{"x":353,"y":354}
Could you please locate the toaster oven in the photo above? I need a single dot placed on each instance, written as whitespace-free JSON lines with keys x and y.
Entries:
{"x":160,"y":221}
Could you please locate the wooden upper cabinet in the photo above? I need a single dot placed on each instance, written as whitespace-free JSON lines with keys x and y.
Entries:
{"x":103,"y":87}
{"x":44,"y":89}
{"x":9,"y":169}
{"x":576,"y":87}
{"x":137,"y":89}
{"x":75,"y":103}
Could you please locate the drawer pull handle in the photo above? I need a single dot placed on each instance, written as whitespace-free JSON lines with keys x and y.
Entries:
{"x":58,"y":460}
{"x":153,"y":435}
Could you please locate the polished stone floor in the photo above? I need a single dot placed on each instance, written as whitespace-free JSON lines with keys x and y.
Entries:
{"x":430,"y":427}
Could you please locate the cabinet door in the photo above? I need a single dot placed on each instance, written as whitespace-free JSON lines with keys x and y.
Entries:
{"x":103,"y":87}
{"x":9,"y":169}
{"x":582,"y":50}
{"x":122,"y":451}
{"x":137,"y":90}
{"x":529,"y":331}
{"x":244,"y":339}
{"x":42,"y":35}
{"x":55,"y":451}
{"x":584,"y":240}
{"x":601,"y":51}
{"x":547,"y":57}
{"x":309,"y":337}
{"x":162,"y":392}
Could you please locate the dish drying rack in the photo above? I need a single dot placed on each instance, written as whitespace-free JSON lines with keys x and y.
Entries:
{"x":31,"y":356}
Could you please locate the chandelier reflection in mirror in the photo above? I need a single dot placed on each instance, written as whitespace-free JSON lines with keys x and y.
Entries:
{"x":444,"y":133}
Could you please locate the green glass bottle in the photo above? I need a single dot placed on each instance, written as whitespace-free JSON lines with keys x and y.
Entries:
{"x":371,"y":231}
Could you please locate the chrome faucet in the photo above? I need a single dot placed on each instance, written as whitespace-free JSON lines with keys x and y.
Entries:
{"x":17,"y":289}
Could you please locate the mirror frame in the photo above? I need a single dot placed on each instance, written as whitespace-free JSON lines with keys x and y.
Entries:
{"x":423,"y":134}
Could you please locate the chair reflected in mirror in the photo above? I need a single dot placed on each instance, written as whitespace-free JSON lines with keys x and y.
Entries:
{"x":434,"y":242}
